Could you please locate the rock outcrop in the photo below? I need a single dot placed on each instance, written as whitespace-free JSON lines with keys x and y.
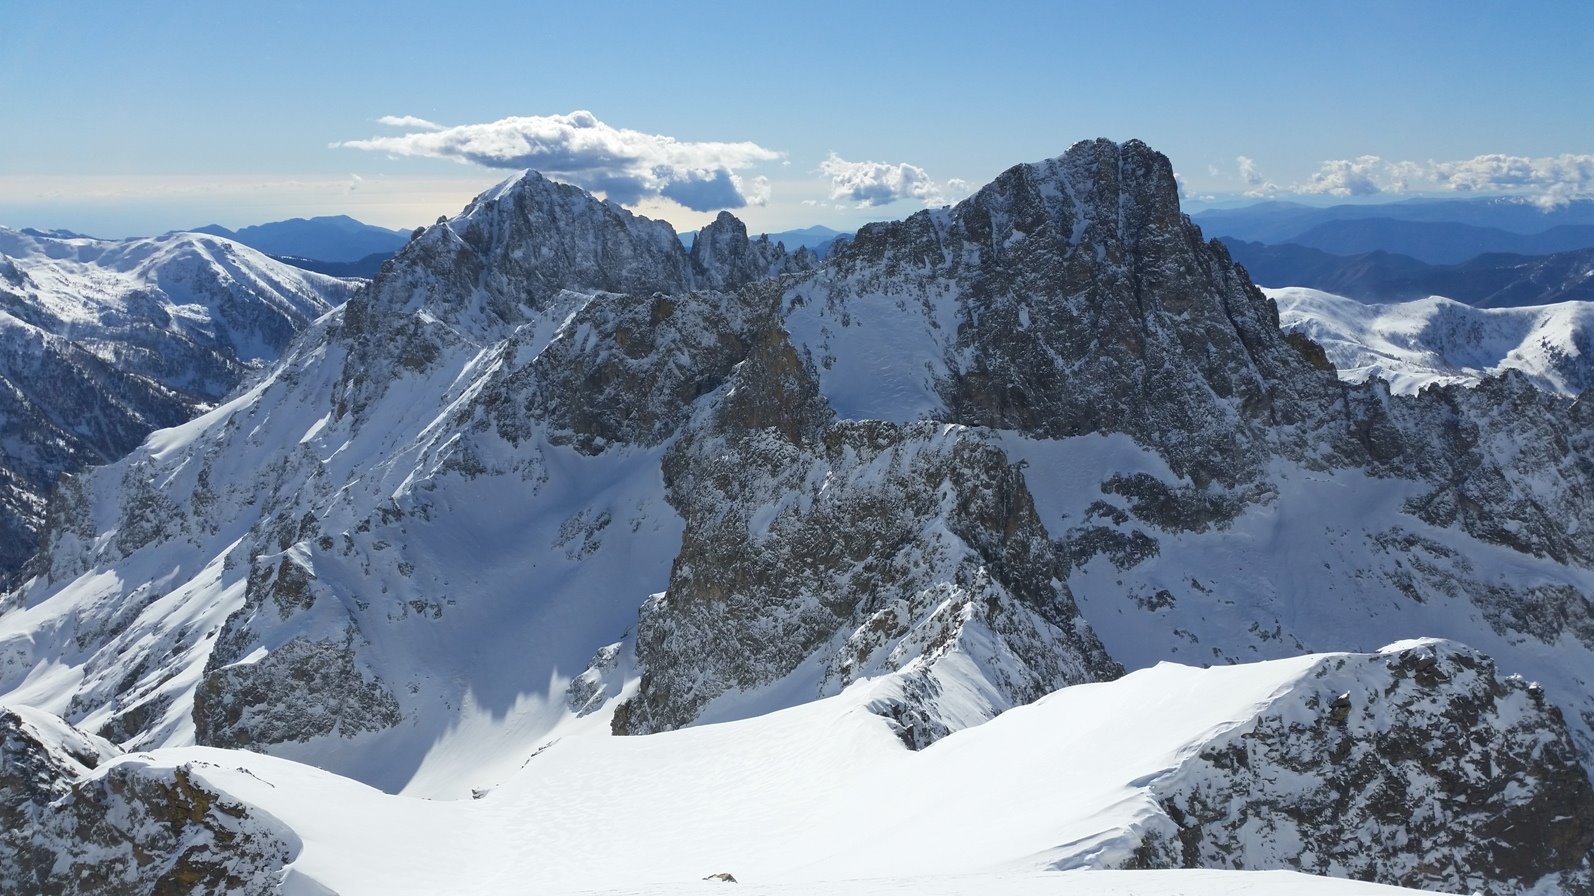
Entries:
{"x":1420,"y":766}
{"x":72,"y":828}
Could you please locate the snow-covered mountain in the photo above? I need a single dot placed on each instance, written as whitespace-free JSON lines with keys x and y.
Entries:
{"x":552,"y":477}
{"x":1435,"y":340}
{"x":1488,"y":281}
{"x":105,"y":341}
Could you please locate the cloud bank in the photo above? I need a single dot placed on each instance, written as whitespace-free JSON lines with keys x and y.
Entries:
{"x":868,"y":184}
{"x":626,"y":166}
{"x":1546,"y":180}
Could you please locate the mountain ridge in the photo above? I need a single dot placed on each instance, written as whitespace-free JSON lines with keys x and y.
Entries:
{"x":552,"y":475}
{"x":1488,"y":281}
{"x":109,"y":340}
{"x":1437,"y":340}
{"x":327,"y":238}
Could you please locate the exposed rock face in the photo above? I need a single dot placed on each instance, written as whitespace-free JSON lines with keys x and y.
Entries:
{"x":1419,"y":767}
{"x":858,"y":548}
{"x":68,"y":830}
{"x":1071,"y":297}
{"x":1511,"y":465}
{"x":632,"y":379}
{"x":730,"y":260}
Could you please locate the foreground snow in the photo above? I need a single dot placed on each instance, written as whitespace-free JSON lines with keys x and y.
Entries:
{"x":822,"y":792}
{"x":1080,"y":883}
{"x":1437,"y":340}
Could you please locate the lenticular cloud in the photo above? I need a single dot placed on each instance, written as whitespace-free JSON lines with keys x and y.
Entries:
{"x":627,"y":166}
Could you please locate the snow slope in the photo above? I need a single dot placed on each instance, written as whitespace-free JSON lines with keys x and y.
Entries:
{"x":1436,"y":340}
{"x":793,"y":800}
{"x":103,"y":341}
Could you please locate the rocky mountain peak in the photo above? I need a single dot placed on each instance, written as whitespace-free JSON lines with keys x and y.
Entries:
{"x":728,"y":259}
{"x":1097,"y":192}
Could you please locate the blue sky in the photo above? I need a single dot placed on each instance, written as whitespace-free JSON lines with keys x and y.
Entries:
{"x":135,"y":118}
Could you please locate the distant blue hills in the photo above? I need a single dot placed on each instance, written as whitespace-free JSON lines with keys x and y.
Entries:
{"x":1488,"y":252}
{"x":334,"y":238}
{"x":1439,"y":242}
{"x":1283,"y":222}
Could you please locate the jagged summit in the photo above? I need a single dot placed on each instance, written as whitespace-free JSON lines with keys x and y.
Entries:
{"x":1117,"y":188}
{"x":516,"y":246}
{"x":725,"y":254}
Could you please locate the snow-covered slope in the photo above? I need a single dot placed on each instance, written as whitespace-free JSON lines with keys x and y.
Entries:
{"x":825,"y":792}
{"x":102,"y":342}
{"x":393,"y":553}
{"x":1435,"y":340}
{"x":552,"y":476}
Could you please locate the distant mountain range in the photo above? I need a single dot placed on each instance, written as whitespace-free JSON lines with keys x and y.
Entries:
{"x":337,"y":238}
{"x":1284,"y":222}
{"x":1436,"y":340}
{"x":103,"y":341}
{"x":365,"y":267}
{"x":817,"y":239}
{"x":1439,"y":242}
{"x":1487,"y":281}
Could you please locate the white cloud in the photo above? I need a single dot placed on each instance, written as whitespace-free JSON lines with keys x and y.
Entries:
{"x":627,"y":166}
{"x":882,"y":183}
{"x":1252,"y":177}
{"x":1546,"y":180}
{"x":1552,"y":180}
{"x":757,"y":191}
{"x":409,"y":121}
{"x":1361,"y":176}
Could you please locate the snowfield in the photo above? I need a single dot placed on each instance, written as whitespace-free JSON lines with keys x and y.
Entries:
{"x":1437,"y":340}
{"x":791,"y":802}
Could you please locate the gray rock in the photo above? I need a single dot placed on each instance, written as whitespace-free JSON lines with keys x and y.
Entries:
{"x":1420,"y":767}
